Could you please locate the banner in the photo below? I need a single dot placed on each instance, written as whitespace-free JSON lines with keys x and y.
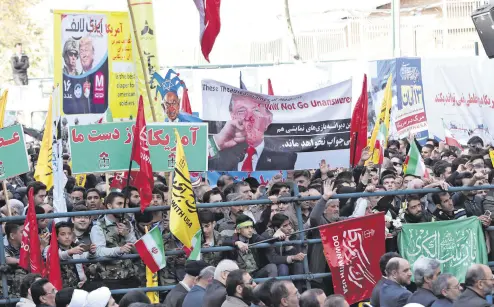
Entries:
{"x":461,"y":94}
{"x":13,"y":155}
{"x":94,"y":49}
{"x":410,"y":114}
{"x":256,"y":132}
{"x":456,"y":244}
{"x":106,"y":147}
{"x":352,"y":249}
{"x":144,"y":21}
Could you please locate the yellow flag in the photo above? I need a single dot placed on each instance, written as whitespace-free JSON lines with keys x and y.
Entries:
{"x":3,"y":106}
{"x":152,"y":281}
{"x":44,"y":170}
{"x":80,"y":179}
{"x":184,"y":222}
{"x":379,"y":138}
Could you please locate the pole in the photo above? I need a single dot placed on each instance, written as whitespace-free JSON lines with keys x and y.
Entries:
{"x":355,"y":148}
{"x":143,"y":66}
{"x":6,"y":195}
{"x":294,"y":233}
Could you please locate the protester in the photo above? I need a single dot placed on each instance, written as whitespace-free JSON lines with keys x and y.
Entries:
{"x":215,"y":293}
{"x":479,"y":284}
{"x":263,"y":293}
{"x":383,"y":262}
{"x":25,"y":291}
{"x":447,"y":289}
{"x":134,"y":296}
{"x":239,"y":289}
{"x":284,"y":294}
{"x":393,"y":293}
{"x":196,"y":295}
{"x":100,"y":297}
{"x":43,"y":293}
{"x":177,"y":295}
{"x":425,"y":272}
{"x":312,"y":298}
{"x":336,"y":300}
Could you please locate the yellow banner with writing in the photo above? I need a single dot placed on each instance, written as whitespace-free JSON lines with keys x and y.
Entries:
{"x":142,"y":11}
{"x":93,"y":63}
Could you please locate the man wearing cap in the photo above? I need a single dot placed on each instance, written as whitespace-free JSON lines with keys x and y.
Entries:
{"x":254,"y":261}
{"x":70,"y":57}
{"x":196,"y":295}
{"x":177,"y":295}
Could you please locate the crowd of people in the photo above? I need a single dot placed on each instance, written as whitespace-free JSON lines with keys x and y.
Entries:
{"x":227,"y":278}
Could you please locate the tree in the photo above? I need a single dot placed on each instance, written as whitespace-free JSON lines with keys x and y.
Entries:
{"x":17,"y":27}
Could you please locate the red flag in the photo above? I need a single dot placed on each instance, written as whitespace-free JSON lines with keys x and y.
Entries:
{"x":270,"y":88}
{"x":209,"y":14}
{"x":30,"y":257}
{"x":358,"y":126}
{"x":120,"y":179}
{"x":353,"y":248}
{"x":186,"y":102}
{"x":53,"y":270}
{"x":144,"y":181}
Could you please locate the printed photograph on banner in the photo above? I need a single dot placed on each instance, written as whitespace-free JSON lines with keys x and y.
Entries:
{"x":460,"y":98}
{"x":410,"y":112}
{"x":255,"y":132}
{"x":379,"y":72}
{"x":84,"y":55}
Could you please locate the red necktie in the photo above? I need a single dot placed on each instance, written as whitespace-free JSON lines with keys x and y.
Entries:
{"x":247,"y":166}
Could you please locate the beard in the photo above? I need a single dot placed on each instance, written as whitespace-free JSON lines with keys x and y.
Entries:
{"x":248,"y":294}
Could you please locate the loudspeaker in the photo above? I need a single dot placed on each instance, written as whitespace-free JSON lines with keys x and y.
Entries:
{"x":483,"y":19}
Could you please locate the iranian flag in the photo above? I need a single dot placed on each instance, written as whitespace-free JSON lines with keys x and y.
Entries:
{"x":195,"y":252}
{"x":152,"y":250}
{"x":380,"y":140}
{"x":449,"y":138}
{"x":414,"y":165}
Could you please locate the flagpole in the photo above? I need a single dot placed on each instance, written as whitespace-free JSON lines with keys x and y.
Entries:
{"x":143,"y":66}
{"x":293,"y":233}
{"x":355,"y":148}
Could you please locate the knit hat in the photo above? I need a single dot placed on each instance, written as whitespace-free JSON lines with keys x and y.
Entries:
{"x":78,"y":298}
{"x":98,"y":298}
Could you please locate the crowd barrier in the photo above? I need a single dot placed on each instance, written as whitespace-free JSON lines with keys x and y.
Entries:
{"x":307,"y":276}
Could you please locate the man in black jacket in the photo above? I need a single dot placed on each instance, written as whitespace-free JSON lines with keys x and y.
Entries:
{"x":20,"y":64}
{"x":216,"y":292}
{"x":43,"y":293}
{"x":479,"y":283}
{"x":177,"y":295}
{"x":425,"y":272}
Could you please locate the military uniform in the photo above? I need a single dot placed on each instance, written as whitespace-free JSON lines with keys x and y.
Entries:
{"x":175,"y":264}
{"x":15,"y":273}
{"x":213,"y":258}
{"x":117,"y":269}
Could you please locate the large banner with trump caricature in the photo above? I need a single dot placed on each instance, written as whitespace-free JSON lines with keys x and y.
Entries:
{"x":255,"y":132}
{"x":93,"y":50}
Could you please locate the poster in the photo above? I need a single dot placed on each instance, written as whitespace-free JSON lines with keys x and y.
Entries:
{"x":13,"y":155}
{"x":459,"y":93}
{"x":146,"y":30}
{"x":93,"y":50}
{"x":277,"y":132}
{"x":352,"y":249}
{"x":456,"y":244}
{"x":410,"y":111}
{"x":99,"y":148}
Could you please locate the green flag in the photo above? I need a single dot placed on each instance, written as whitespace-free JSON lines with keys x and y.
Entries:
{"x":456,"y":244}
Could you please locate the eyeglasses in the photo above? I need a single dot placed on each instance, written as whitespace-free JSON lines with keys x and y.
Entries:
{"x":53,"y":291}
{"x":457,"y":287}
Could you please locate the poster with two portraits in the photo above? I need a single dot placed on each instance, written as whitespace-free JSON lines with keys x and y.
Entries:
{"x":277,"y":132}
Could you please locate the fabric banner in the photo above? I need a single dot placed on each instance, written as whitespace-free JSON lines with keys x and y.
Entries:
{"x":94,"y":49}
{"x":106,"y":147}
{"x":276,"y":132}
{"x":410,"y":114}
{"x":144,"y":21}
{"x":352,"y":249}
{"x":263,"y":177}
{"x":459,"y":93}
{"x":456,"y":244}
{"x":13,"y":156}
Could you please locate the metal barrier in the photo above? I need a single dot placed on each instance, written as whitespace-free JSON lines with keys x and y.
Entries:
{"x":301,"y":240}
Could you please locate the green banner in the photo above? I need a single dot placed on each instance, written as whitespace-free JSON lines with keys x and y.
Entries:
{"x":456,"y":244}
{"x":13,"y":155}
{"x":101,"y":148}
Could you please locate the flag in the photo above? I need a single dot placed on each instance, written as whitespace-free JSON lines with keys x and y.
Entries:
{"x":53,"y":270}
{"x":358,"y":126}
{"x":456,"y":244}
{"x":414,"y":165}
{"x":144,"y":180}
{"x":184,"y":222}
{"x":270,"y":88}
{"x":3,"y":106}
{"x":195,"y":252}
{"x":151,"y":249}
{"x":449,"y":138}
{"x":379,"y":138}
{"x":44,"y":167}
{"x":120,"y":179}
{"x":242,"y":85}
{"x":186,"y":108}
{"x":30,"y":254}
{"x":210,"y":24}
{"x":352,"y":249}
{"x":59,"y":178}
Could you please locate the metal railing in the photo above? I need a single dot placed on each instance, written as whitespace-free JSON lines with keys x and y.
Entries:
{"x":307,"y":276}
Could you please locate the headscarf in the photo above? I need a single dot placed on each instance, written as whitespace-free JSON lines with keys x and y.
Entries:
{"x":78,"y":298}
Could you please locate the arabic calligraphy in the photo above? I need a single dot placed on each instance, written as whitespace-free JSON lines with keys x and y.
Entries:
{"x":410,"y":121}
{"x":326,"y":141}
{"x":89,"y":26}
{"x":7,"y":142}
{"x":471,"y":99}
{"x":315,"y":128}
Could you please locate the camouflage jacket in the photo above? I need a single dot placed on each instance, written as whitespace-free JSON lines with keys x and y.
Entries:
{"x":215,"y":257}
{"x":252,"y":259}
{"x":175,"y":264}
{"x":14,"y":273}
{"x":118,"y":269}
